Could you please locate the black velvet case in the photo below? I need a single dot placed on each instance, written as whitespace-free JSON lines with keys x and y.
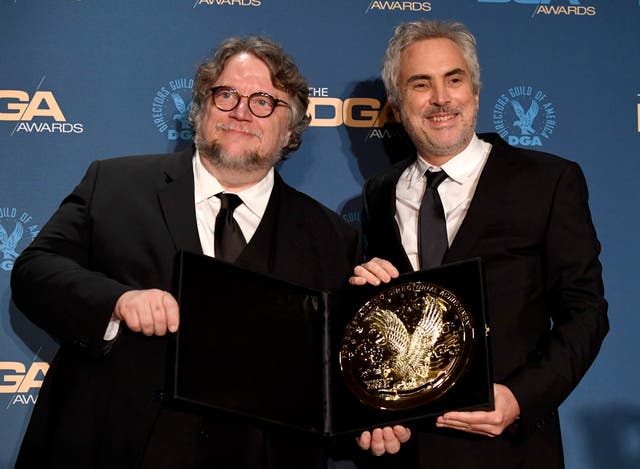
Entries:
{"x":258,"y":348}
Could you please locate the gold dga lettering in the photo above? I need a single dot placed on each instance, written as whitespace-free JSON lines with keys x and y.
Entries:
{"x":353,"y":112}
{"x":334,"y":103}
{"x":386,"y":115}
{"x":18,"y":369}
{"x":52,"y":109}
{"x":369,"y":116}
{"x":30,"y":380}
{"x":17,"y":108}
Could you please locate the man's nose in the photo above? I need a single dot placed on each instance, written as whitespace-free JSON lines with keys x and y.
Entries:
{"x":440,"y":95}
{"x":241,"y":111}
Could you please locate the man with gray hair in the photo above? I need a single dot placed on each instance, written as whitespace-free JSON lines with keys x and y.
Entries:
{"x":525,"y":213}
{"x":99,"y":276}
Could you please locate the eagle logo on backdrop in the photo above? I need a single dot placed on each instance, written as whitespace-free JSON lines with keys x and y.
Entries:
{"x":8,"y":242}
{"x":525,"y":119}
{"x":170,"y":109}
{"x":12,"y":231}
{"x":524,"y":116}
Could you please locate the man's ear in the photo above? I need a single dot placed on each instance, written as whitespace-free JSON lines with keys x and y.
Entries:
{"x":396,"y":112}
{"x":286,"y":138}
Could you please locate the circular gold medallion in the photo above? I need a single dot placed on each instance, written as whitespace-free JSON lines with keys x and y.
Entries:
{"x":407,"y":346}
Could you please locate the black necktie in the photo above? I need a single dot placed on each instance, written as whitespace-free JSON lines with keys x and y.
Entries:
{"x":229,"y":240}
{"x":432,"y":227}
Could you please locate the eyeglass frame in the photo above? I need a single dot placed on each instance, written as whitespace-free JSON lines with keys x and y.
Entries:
{"x":264,"y":94}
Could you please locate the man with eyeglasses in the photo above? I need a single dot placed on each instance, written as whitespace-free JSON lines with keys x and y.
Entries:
{"x":99,"y":275}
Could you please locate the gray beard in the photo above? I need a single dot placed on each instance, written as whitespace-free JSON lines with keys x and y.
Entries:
{"x":249,"y":161}
{"x":429,"y":146}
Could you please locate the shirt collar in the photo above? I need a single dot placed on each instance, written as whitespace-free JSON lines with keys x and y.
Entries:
{"x":255,"y":197}
{"x":462,"y":166}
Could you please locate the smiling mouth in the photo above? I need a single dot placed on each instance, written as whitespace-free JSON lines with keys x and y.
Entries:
{"x":441,"y":118}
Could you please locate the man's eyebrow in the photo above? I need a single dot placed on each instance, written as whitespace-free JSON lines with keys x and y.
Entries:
{"x":413,"y":78}
{"x":455,"y":71}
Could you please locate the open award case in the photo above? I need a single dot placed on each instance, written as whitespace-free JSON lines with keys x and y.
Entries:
{"x":257,"y":348}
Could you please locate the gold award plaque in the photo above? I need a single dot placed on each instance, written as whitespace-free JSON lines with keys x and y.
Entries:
{"x":407,"y":346}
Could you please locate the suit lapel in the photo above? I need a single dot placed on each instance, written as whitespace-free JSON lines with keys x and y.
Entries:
{"x":386,"y":203}
{"x":177,"y":202}
{"x":485,"y":200}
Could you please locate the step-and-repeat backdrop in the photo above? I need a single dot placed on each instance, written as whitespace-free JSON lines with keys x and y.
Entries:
{"x":85,"y":79}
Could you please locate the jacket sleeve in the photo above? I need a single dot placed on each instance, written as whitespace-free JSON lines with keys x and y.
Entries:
{"x":574,"y":297}
{"x":53,"y":282}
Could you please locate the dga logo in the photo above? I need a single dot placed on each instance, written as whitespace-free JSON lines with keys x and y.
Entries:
{"x":370,"y":113}
{"x":524,"y":117}
{"x":23,"y":384}
{"x":13,"y":229}
{"x":38,"y":113}
{"x":230,"y":3}
{"x":553,"y":7}
{"x":398,"y":6}
{"x":170,"y":109}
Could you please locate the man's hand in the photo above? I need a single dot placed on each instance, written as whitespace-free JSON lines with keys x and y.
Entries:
{"x":384,"y":440}
{"x":151,"y":312}
{"x":485,"y":423}
{"x":373,"y":272}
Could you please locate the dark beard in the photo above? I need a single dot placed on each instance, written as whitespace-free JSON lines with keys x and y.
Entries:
{"x":249,"y":161}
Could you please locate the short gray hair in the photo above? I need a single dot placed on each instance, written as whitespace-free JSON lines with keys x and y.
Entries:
{"x":284,"y":75}
{"x":407,"y":34}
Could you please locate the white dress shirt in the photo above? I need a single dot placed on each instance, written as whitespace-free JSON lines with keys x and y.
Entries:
{"x":456,"y":193}
{"x":248,"y":214}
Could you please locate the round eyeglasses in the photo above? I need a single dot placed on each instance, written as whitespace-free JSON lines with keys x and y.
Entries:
{"x":261,"y":104}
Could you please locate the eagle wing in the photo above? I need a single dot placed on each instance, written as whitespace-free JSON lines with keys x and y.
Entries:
{"x":532,"y":112}
{"x":392,"y":329}
{"x":426,"y":334}
{"x":3,"y":237}
{"x":15,"y":237}
{"x":519,"y":110}
{"x":179,"y":102}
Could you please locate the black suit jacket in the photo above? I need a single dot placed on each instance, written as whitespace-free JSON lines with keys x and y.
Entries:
{"x":102,"y":403}
{"x":530,"y":222}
